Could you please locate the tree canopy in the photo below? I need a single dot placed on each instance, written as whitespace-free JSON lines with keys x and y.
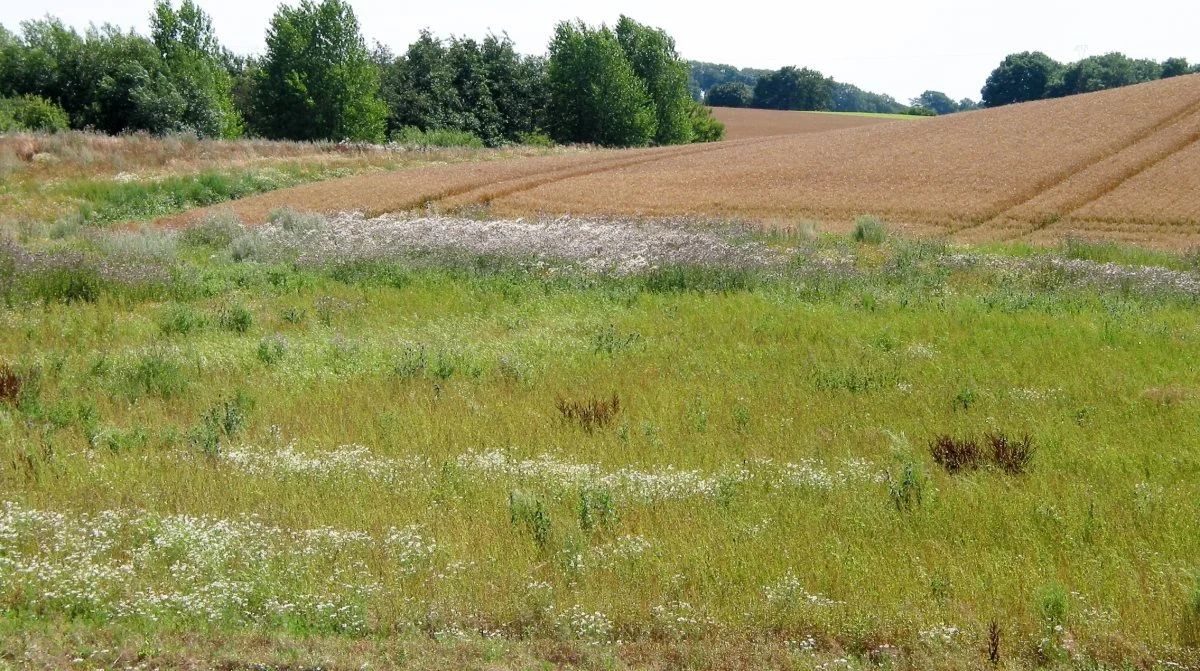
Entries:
{"x":595,"y":95}
{"x":317,"y":79}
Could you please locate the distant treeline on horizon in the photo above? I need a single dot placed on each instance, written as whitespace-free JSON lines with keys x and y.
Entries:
{"x":1020,"y":77}
{"x":619,"y":86}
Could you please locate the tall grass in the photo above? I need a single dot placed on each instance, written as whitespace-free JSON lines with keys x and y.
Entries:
{"x":705,"y":465}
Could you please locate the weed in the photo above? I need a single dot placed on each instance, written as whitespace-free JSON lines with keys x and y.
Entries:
{"x":235,"y":318}
{"x":741,"y":418}
{"x":180,"y":320}
{"x":272,"y":349}
{"x":1053,"y":604}
{"x":155,"y":372}
{"x":994,"y":643}
{"x":591,"y":414}
{"x":964,"y":399}
{"x":10,"y":384}
{"x":215,"y":231}
{"x":1011,"y":455}
{"x":223,"y":421}
{"x":1168,"y":396}
{"x":956,"y":455}
{"x":906,"y":489}
{"x":297,"y":223}
{"x":607,"y":341}
{"x":869,"y":230}
{"x":293,"y":316}
{"x":596,"y":509}
{"x":247,"y":246}
{"x":411,"y":363}
{"x":123,"y":441}
{"x":529,"y":513}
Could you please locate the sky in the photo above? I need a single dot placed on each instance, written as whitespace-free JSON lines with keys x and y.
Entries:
{"x":899,"y":48}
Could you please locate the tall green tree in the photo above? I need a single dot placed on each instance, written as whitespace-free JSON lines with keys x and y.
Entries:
{"x":655,"y":61}
{"x":595,"y":95}
{"x":1029,"y":75}
{"x":419,"y":87}
{"x":729,"y":94}
{"x":187,"y":43}
{"x":794,"y":89}
{"x":1109,"y":71}
{"x":1174,"y":67}
{"x":518,"y":86}
{"x":317,"y":79}
{"x":937,"y":101}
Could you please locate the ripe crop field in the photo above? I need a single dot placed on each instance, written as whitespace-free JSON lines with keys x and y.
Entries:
{"x":749,"y":123}
{"x":433,"y":441}
{"x":1118,"y":164}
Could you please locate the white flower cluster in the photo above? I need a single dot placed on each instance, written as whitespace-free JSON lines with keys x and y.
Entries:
{"x":940,"y":634}
{"x":1083,"y":273}
{"x":618,"y":247}
{"x":550,"y":471}
{"x":132,"y":564}
{"x":790,"y":591}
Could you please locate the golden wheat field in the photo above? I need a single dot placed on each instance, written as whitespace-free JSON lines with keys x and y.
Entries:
{"x":1120,"y":164}
{"x":741,"y":124}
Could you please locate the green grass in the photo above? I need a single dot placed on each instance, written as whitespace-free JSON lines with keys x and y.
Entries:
{"x":841,"y":530}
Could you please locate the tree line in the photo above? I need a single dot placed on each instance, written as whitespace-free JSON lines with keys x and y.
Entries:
{"x":1032,"y":75}
{"x":317,"y":80}
{"x":788,"y":88}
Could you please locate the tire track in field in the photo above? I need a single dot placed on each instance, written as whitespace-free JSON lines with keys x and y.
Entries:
{"x":530,"y":182}
{"x":1065,"y":176}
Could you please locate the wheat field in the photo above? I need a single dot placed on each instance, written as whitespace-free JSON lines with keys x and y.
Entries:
{"x":1118,"y":164}
{"x":741,"y":124}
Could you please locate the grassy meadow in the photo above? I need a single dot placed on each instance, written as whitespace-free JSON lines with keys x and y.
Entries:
{"x":297,"y":448}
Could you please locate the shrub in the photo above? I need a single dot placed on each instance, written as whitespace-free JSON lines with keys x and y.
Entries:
{"x":705,"y":127}
{"x":180,"y":320}
{"x":72,"y":281}
{"x":296,"y":222}
{"x":246,"y":246}
{"x":225,"y":420}
{"x":271,"y":349}
{"x":154,"y":373}
{"x":869,"y":230}
{"x":236,"y":318}
{"x":31,"y":113}
{"x":216,"y":230}
{"x":535,"y":139}
{"x":435,"y":137}
{"x":1013,"y":456}
{"x":956,"y":455}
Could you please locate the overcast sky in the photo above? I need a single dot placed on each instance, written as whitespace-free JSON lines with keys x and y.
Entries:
{"x":900,"y":48}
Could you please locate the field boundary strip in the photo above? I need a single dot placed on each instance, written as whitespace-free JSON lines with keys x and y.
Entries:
{"x":1006,"y":210}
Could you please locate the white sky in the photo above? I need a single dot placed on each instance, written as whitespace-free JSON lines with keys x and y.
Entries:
{"x":900,"y":48}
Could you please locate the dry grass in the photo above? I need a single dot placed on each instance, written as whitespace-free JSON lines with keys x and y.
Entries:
{"x":741,"y":124}
{"x":1115,"y":164}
